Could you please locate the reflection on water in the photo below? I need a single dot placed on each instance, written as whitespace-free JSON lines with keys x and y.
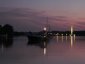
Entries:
{"x":57,"y":38}
{"x":2,"y":48}
{"x":44,"y":48}
{"x":41,"y":44}
{"x":44,"y":51}
{"x":71,"y":51}
{"x":71,"y":37}
{"x":66,"y":37}
{"x":62,"y":37}
{"x":5,"y":43}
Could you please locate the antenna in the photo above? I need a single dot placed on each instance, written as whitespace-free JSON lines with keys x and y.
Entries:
{"x":47,"y":24}
{"x":71,"y":30}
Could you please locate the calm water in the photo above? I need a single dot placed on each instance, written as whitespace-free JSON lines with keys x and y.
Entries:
{"x":59,"y":50}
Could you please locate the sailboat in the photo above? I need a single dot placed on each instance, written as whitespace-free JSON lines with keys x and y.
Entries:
{"x":38,"y":37}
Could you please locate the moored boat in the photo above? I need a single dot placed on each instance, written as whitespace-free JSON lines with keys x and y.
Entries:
{"x":37,"y":38}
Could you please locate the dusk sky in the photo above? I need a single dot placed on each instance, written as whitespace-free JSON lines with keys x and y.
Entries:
{"x":31,"y":15}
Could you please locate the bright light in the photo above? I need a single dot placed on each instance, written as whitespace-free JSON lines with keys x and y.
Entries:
{"x":71,"y":30}
{"x":44,"y":51}
{"x":45,"y":28}
{"x":66,"y":34}
{"x":62,"y":34}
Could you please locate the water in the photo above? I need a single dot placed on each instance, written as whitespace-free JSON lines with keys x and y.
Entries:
{"x":59,"y":50}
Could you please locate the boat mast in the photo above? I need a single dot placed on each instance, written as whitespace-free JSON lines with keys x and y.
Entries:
{"x":47,"y":25}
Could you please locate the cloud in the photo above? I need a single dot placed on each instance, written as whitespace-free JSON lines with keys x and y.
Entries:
{"x":25,"y":19}
{"x":21,"y":17}
{"x":79,"y":25}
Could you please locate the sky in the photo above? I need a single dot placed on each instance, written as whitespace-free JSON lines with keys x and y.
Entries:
{"x":32,"y":15}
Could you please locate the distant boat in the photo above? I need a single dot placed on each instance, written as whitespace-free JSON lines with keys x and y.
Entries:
{"x":38,"y":37}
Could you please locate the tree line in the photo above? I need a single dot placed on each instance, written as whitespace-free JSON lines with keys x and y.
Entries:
{"x":6,"y":30}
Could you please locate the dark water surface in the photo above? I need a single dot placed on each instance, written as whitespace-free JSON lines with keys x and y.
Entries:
{"x":59,"y":50}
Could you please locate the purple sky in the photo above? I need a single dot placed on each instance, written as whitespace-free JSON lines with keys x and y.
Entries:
{"x":26,"y":15}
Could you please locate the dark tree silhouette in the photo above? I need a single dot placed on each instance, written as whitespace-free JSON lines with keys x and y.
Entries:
{"x":0,"y":29}
{"x":7,"y":29}
{"x":6,"y":35}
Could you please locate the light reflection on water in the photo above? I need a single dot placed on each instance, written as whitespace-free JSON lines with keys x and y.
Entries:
{"x":71,"y":41}
{"x":66,"y":38}
{"x":70,"y":50}
{"x":44,"y":48}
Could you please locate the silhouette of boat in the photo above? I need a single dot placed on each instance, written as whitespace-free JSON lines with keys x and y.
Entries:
{"x":43,"y":36}
{"x":37,"y":38}
{"x":41,"y":44}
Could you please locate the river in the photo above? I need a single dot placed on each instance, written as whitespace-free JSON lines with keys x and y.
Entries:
{"x":59,"y":50}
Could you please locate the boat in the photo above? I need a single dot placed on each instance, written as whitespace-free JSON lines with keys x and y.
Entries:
{"x":38,"y":37}
{"x":32,"y":37}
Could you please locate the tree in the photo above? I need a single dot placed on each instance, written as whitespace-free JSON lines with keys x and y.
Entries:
{"x":7,"y":29}
{"x":0,"y":29}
